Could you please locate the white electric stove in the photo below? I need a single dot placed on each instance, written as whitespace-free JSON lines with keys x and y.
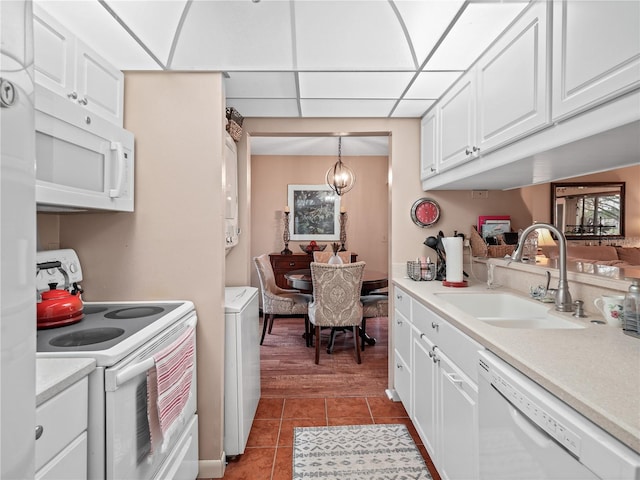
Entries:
{"x":123,"y":338}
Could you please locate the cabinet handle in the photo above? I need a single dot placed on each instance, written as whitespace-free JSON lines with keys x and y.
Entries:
{"x":39,"y":431}
{"x":467,"y":151}
{"x":453,"y":378}
{"x":476,"y":149}
{"x":432,"y":169}
{"x":399,"y":297}
{"x":435,"y":326}
{"x":83,"y":101}
{"x":399,"y":322}
{"x":72,"y":95}
{"x":117,"y":191}
{"x":399,"y":366}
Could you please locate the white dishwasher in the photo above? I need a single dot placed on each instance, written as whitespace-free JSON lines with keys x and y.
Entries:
{"x":528,"y":433}
{"x":242,"y":366}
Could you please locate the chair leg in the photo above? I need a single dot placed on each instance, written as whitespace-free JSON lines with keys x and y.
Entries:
{"x":355,"y":343}
{"x":265,"y":321}
{"x":307,"y":331}
{"x":271,"y":323}
{"x":317,"y":345}
{"x":332,"y":340}
{"x":363,"y":332}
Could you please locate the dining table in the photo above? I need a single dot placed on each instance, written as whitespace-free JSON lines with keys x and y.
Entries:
{"x":371,"y":280}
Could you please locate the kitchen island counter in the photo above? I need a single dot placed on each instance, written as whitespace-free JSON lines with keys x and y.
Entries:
{"x":595,"y":369}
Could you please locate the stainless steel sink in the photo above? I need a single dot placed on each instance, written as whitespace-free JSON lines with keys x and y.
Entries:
{"x":507,"y":310}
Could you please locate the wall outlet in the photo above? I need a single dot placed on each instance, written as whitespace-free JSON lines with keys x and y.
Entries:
{"x":480,"y":194}
{"x":466,"y":242}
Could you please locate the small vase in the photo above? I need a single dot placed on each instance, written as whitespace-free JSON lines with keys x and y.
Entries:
{"x":335,"y":260}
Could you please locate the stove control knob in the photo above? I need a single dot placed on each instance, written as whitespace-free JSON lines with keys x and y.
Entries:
{"x":52,"y":271}
{"x":73,"y":268}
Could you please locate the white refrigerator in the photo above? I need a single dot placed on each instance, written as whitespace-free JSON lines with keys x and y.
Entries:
{"x":17,"y":243}
{"x":242,"y":366}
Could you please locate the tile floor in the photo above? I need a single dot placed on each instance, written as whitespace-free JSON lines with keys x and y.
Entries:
{"x":268,"y":455}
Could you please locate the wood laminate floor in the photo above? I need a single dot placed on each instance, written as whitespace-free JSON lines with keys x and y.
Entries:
{"x":298,"y":393}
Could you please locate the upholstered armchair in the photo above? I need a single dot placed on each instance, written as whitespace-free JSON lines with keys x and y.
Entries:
{"x":276,"y":300}
{"x":323,"y":257}
{"x":373,"y":306}
{"x":336,"y":299}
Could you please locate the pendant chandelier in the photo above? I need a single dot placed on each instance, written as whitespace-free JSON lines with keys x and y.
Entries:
{"x":340,"y":177}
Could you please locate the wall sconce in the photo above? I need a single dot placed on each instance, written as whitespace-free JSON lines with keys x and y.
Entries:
{"x":340,"y":177}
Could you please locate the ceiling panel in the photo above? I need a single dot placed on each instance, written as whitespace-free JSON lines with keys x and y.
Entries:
{"x":327,"y":145}
{"x":412,"y":108}
{"x":236,"y":35}
{"x":431,"y":84}
{"x":157,"y":35}
{"x":265,"y":107}
{"x":346,"y":108}
{"x":350,"y":35}
{"x":353,"y":84}
{"x":426,"y":21}
{"x":479,"y":25}
{"x":261,"y":85}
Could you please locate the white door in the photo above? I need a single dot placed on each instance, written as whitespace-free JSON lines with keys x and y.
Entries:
{"x":428,"y":145}
{"x":596,"y":53}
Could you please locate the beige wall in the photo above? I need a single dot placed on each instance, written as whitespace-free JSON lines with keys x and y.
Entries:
{"x":172,"y":247}
{"x":366,"y":204}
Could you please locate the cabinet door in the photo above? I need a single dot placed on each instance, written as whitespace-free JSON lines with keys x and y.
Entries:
{"x":428,"y":146}
{"x":457,"y":113}
{"x":100,"y":86}
{"x":424,"y":392}
{"x":402,"y":336}
{"x":596,"y":53}
{"x":513,"y":82}
{"x":458,"y":419}
{"x":54,"y":54}
{"x":402,"y":381}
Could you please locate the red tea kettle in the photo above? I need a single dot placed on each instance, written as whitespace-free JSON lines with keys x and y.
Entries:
{"x":59,"y":307}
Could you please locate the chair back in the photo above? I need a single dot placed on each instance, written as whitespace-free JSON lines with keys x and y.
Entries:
{"x":265,"y":274}
{"x":336,"y":294}
{"x":323,"y":257}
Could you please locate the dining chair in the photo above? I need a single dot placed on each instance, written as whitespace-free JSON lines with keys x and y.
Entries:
{"x":336,"y":299}
{"x":323,"y":257}
{"x":373,"y":306}
{"x":279,"y":301}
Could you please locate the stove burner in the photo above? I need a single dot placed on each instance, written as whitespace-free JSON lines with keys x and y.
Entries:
{"x":89,"y":309}
{"x":86,"y":337}
{"x":134,"y":312}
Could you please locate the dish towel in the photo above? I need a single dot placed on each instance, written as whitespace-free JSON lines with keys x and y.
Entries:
{"x":169,"y":387}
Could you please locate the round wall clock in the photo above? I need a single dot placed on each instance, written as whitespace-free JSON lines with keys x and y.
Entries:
{"x":425,"y":212}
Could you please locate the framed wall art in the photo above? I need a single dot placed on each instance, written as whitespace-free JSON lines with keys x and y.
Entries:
{"x":315,"y":213}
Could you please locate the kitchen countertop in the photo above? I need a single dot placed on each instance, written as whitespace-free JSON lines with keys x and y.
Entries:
{"x":595,"y":370}
{"x":53,"y":375}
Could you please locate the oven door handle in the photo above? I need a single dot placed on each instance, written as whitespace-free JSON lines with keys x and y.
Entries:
{"x":113,"y":382}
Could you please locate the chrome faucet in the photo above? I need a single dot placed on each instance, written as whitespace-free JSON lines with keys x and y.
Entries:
{"x":563,"y":297}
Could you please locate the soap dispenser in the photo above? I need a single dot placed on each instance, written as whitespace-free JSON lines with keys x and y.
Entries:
{"x":631,"y":321}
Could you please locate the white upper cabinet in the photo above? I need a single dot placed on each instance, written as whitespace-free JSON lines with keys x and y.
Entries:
{"x":68,"y":67}
{"x":456,"y":111}
{"x":596,"y":53}
{"x":429,"y":145}
{"x":512,"y":82}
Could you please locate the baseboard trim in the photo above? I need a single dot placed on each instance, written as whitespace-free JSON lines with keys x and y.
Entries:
{"x":211,"y":468}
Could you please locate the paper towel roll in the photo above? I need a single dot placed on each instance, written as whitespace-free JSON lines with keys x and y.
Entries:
{"x":453,"y":249}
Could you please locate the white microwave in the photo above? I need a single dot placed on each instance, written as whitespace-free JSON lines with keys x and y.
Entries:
{"x":83,"y":162}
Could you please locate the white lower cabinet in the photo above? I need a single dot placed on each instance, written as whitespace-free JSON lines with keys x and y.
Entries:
{"x":402,"y":349}
{"x":61,"y":434}
{"x":443,"y":389}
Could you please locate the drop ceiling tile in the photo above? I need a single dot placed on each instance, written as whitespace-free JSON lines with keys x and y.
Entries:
{"x":353,"y":84}
{"x":346,"y":108}
{"x":261,"y":85}
{"x":426,"y":21}
{"x":262,"y":107}
{"x":158,"y":34}
{"x":89,"y":21}
{"x":350,"y":35}
{"x":431,"y":84}
{"x":235,"y":35}
{"x":474,"y":31}
{"x":412,"y":108}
